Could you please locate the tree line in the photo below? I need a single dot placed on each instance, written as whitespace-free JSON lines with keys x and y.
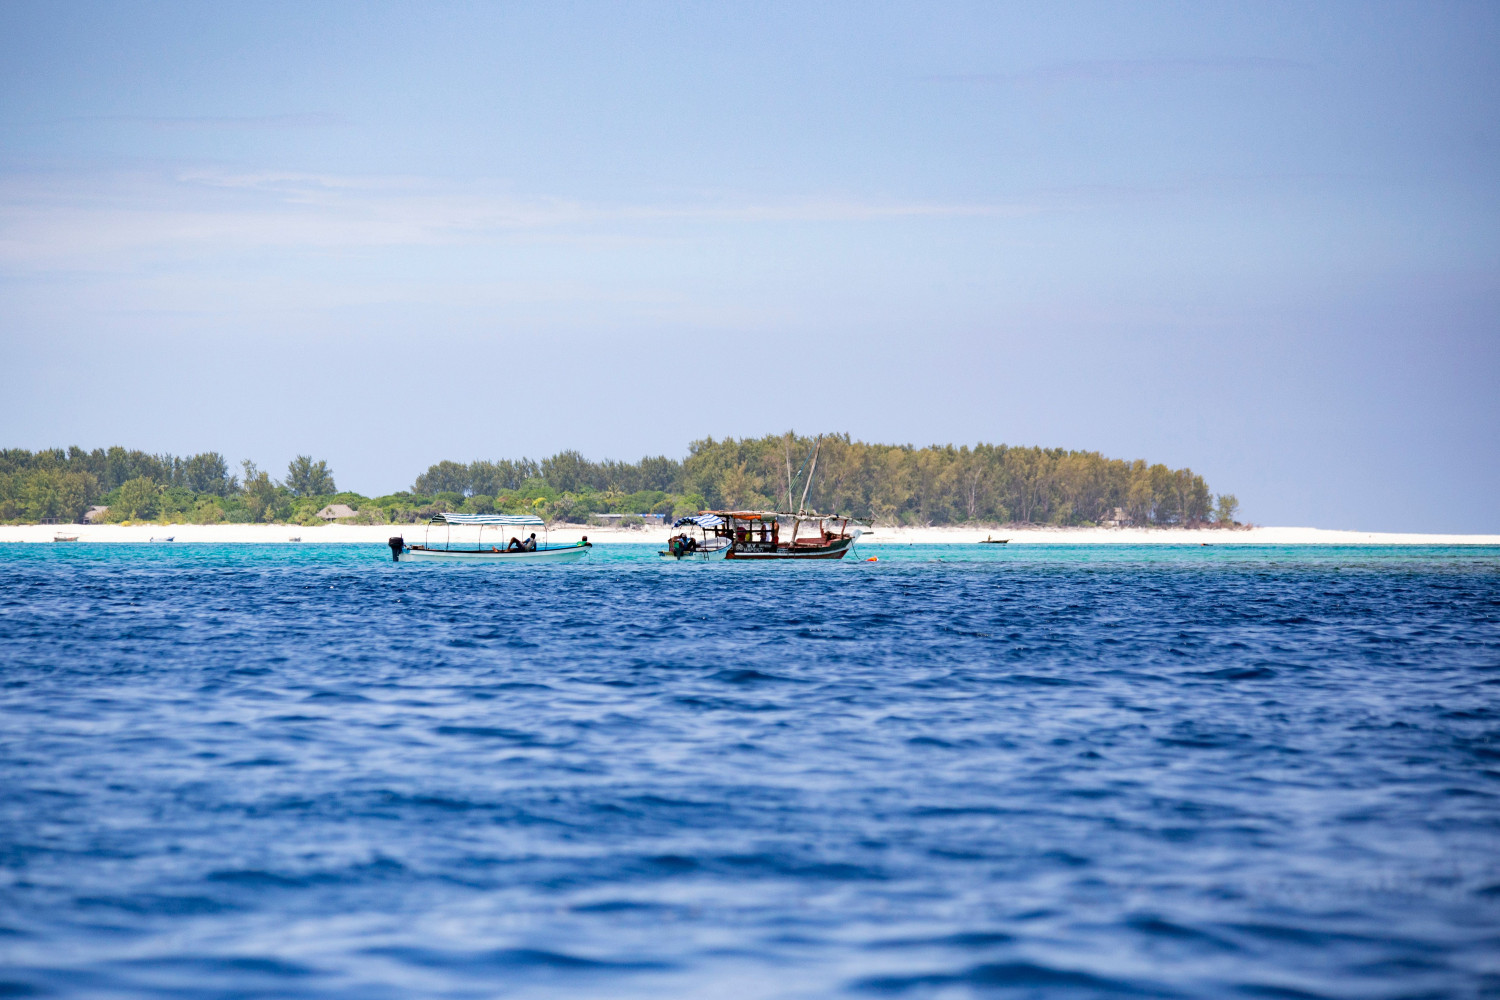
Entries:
{"x":892,"y":484}
{"x":938,"y":484}
{"x":62,"y":484}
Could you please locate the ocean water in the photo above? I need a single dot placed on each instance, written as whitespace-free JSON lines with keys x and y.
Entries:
{"x":302,"y":771}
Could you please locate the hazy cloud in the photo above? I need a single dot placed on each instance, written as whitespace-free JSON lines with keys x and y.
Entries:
{"x":1117,"y":70}
{"x":220,"y":123}
{"x":59,"y":222}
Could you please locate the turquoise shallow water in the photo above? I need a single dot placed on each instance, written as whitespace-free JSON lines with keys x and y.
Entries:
{"x":1019,"y":771}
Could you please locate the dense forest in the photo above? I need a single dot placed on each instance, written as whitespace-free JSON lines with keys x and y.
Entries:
{"x":986,"y":484}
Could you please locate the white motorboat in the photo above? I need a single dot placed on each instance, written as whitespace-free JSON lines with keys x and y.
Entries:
{"x":473,"y":548}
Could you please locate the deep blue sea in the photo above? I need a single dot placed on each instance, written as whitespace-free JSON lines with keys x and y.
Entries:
{"x":303,"y":771}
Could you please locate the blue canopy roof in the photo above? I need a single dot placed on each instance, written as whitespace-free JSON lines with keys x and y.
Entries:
{"x":701,"y":520}
{"x":490,"y":518}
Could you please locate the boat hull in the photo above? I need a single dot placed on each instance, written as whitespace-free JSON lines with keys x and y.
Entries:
{"x":698,"y":555}
{"x":569,"y":553}
{"x":836,"y":549}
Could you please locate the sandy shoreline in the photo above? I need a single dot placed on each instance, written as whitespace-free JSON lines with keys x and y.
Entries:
{"x":377,"y":535}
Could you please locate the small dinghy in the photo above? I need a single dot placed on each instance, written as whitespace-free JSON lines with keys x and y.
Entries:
{"x":475,"y":549}
{"x":707,"y":549}
{"x":168,"y":538}
{"x":992,"y":540}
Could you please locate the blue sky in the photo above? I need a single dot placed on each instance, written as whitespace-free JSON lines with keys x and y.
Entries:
{"x":1259,"y":240}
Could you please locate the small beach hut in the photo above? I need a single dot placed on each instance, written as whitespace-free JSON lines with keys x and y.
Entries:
{"x":336,"y":511}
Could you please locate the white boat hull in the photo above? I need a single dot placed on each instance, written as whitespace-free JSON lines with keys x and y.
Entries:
{"x":698,"y":555}
{"x":487,"y":557}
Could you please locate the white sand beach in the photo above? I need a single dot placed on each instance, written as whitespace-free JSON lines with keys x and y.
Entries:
{"x":377,"y":534}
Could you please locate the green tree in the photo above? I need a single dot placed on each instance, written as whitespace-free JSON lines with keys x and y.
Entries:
{"x":739,"y":488}
{"x":55,"y":494}
{"x":263,"y":499}
{"x":208,"y":473}
{"x":136,"y":498}
{"x":570,"y":472}
{"x":306,"y":478}
{"x":449,"y":477}
{"x":1226,"y":508}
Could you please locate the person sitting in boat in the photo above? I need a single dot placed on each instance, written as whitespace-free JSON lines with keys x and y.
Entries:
{"x":515,"y":545}
{"x":530,"y":544}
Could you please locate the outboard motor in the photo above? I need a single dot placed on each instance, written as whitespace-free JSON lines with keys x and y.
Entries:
{"x":397,"y":544}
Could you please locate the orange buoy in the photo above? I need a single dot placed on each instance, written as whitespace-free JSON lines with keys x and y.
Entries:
{"x":873,"y":559}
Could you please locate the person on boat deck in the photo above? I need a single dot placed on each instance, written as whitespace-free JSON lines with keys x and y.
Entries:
{"x":515,"y":545}
{"x":530,"y":544}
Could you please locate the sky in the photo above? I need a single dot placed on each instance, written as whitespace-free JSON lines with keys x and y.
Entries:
{"x":1258,"y":240}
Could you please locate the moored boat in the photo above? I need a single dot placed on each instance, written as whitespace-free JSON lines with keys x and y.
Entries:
{"x":685,"y":546}
{"x":473,"y":548}
{"x":759,"y":534}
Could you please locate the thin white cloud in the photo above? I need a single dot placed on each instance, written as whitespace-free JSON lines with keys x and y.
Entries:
{"x":1119,"y":70}
{"x":85,"y":222}
{"x":218,"y":123}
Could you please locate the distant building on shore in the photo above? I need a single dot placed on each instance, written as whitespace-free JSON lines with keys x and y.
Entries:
{"x":1118,"y":519}
{"x":613,"y":519}
{"x":95,"y":514}
{"x":336,"y":511}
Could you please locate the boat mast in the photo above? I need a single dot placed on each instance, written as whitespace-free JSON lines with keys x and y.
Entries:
{"x":786,"y":446}
{"x":801,"y":507}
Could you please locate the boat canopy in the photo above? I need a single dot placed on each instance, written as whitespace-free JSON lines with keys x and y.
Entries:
{"x":774,"y":515}
{"x":488,"y":519}
{"x":701,"y":520}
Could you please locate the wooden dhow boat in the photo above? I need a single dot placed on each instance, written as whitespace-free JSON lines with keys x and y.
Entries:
{"x":473,"y":547}
{"x":770,"y":534}
{"x":759,"y":534}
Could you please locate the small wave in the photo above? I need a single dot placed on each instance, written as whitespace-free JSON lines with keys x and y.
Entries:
{"x":1038,"y":680}
{"x":964,"y":939}
{"x":622,"y":906}
{"x":509,"y":958}
{"x":1277,"y":992}
{"x":148,"y":904}
{"x":1236,"y":674}
{"x":1155,"y":926}
{"x":1004,"y":975}
{"x":335,"y":696}
{"x":746,"y":676}
{"x":232,"y":965}
{"x":488,"y":733}
{"x":256,"y":878}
